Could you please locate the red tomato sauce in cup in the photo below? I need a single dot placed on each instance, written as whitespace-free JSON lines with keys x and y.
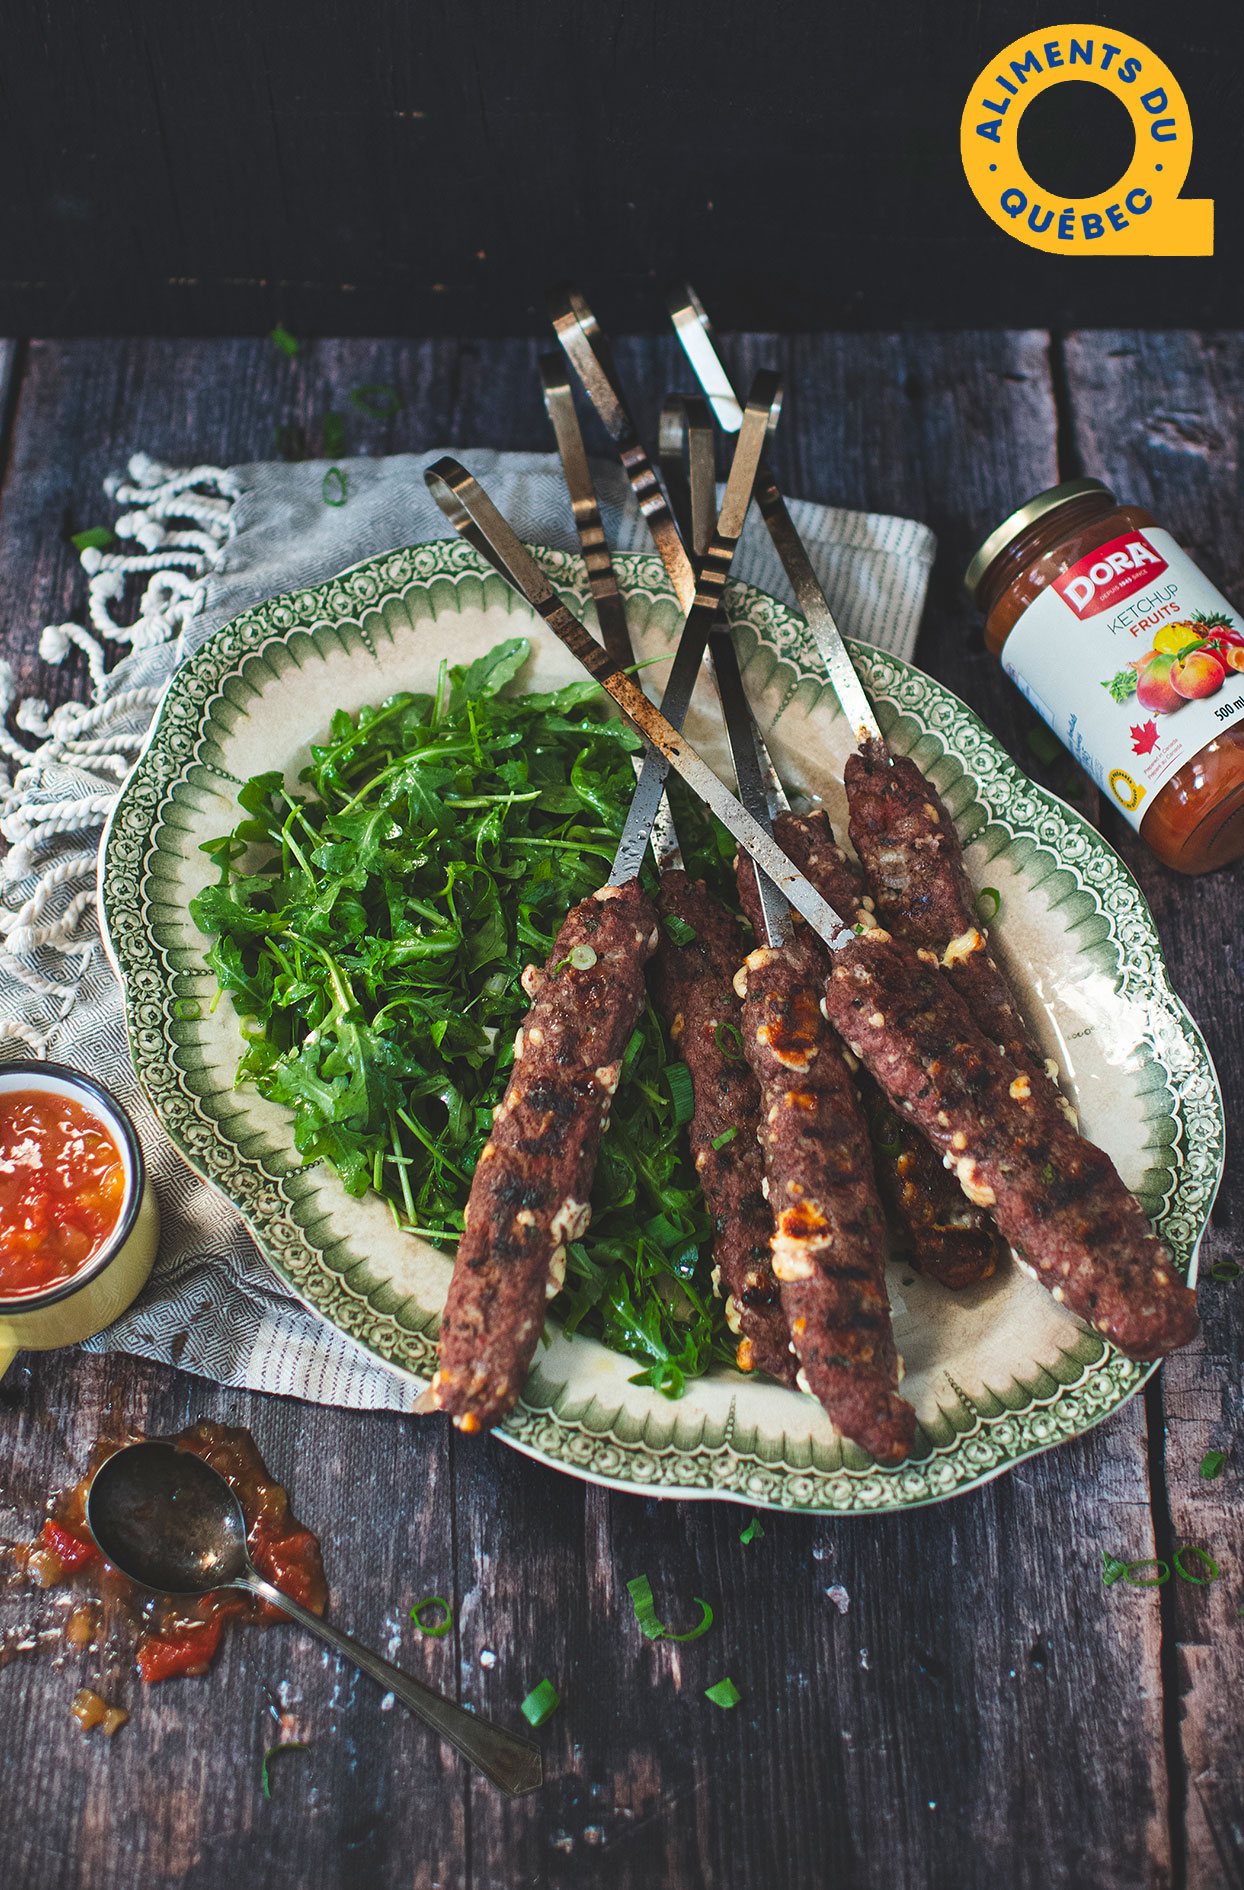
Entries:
{"x":62,"y":1190}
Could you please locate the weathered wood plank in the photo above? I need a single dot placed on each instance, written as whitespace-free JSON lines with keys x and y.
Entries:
{"x":176,"y":1797}
{"x":974,"y":1712}
{"x":1159,"y":417}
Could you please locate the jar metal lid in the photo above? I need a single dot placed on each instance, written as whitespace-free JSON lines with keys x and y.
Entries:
{"x":1020,"y":520}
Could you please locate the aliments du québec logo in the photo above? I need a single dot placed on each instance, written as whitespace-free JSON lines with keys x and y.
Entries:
{"x":1143,"y":213}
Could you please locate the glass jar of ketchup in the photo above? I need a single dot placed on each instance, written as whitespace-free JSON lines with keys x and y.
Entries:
{"x":1136,"y":662}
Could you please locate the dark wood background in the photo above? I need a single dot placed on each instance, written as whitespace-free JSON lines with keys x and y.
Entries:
{"x":986,"y":1711}
{"x":427,"y":166}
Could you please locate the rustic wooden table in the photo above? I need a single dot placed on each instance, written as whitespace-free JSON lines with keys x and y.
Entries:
{"x":985,"y":1709}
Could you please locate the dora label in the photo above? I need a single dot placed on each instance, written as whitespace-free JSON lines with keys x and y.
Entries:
{"x":1134,"y":660}
{"x":1143,"y":213}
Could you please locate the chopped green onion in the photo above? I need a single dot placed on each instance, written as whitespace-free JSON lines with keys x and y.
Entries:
{"x":187,"y":1008}
{"x":436,"y":1628}
{"x":541,"y":1703}
{"x":1225,"y":1270}
{"x":859,"y":928}
{"x":682,"y":1091}
{"x":753,"y":1531}
{"x":281,"y":338}
{"x":1047,"y":1173}
{"x":640,"y":1589}
{"x":583,"y":957}
{"x":723,"y":1693}
{"x":722,"y":1038}
{"x":1212,"y":1462}
{"x":702,"y":1626}
{"x":1043,"y":745}
{"x":380,"y":399}
{"x":727,"y":1135}
{"x":992,"y":894}
{"x":1155,"y":1582}
{"x":334,"y":435}
{"x":1202,"y":1581}
{"x":286,"y":1745}
{"x":677,"y":929}
{"x":1112,"y":1568}
{"x":95,"y":538}
{"x":334,"y":474}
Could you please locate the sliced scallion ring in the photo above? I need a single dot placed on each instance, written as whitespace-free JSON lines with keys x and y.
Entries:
{"x":286,"y":1745}
{"x":436,"y":1628}
{"x":1202,"y":1581}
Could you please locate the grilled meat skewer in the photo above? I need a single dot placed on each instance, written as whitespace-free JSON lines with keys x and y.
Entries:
{"x":904,"y":834}
{"x":1053,"y":1195}
{"x":694,"y":991}
{"x":530,"y":1192}
{"x":949,"y":1238}
{"x":829,"y":1239}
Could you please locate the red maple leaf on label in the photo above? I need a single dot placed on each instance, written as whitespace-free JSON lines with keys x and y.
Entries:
{"x":1144,"y":737}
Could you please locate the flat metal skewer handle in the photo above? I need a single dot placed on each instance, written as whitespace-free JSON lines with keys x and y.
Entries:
{"x":590,"y":355}
{"x":471,"y":512}
{"x":694,"y":331}
{"x":763,"y":406}
{"x":753,"y":788}
{"x":610,"y":607}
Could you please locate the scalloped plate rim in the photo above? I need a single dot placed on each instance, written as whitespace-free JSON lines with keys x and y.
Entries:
{"x":568,"y":575}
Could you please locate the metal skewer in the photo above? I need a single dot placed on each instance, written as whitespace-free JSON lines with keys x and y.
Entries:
{"x":753,"y":789}
{"x":685,"y":451}
{"x":591,"y":357}
{"x":695,"y":333}
{"x":471,"y":512}
{"x":763,"y":406}
{"x":685,"y":431}
{"x":610,"y":607}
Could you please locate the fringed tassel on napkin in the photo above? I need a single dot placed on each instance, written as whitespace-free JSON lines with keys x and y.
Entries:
{"x":65,"y":788}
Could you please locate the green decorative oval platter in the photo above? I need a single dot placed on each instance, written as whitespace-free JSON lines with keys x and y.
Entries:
{"x":996,"y":1373}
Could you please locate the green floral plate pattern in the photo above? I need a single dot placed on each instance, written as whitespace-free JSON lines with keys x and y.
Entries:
{"x":997,"y":1373}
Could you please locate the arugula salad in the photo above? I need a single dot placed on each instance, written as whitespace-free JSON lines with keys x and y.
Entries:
{"x":370,"y":929}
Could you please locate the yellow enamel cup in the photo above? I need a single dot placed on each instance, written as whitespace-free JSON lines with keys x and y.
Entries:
{"x":101,"y":1291}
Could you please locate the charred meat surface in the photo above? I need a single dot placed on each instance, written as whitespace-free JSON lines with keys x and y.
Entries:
{"x":1055,"y":1197}
{"x":904,"y":834}
{"x":829,"y":1241}
{"x":693,"y":984}
{"x":530,"y":1192}
{"x":948,"y":1237}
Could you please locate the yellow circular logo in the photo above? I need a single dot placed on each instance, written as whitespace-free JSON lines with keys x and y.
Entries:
{"x":1127,"y":793}
{"x":1143,"y":214}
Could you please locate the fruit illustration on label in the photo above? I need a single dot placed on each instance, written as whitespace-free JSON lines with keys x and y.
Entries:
{"x":1190,"y":659}
{"x":1154,"y":689}
{"x":1197,"y":674}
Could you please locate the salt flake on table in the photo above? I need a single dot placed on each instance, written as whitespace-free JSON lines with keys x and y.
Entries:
{"x":839,"y":1596}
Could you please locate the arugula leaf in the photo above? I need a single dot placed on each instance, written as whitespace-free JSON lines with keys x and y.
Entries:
{"x":371,"y":925}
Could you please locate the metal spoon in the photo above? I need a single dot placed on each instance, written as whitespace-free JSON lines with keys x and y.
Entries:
{"x":170,"y":1522}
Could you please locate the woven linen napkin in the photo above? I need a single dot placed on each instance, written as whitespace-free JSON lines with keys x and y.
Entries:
{"x":208,"y":543}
